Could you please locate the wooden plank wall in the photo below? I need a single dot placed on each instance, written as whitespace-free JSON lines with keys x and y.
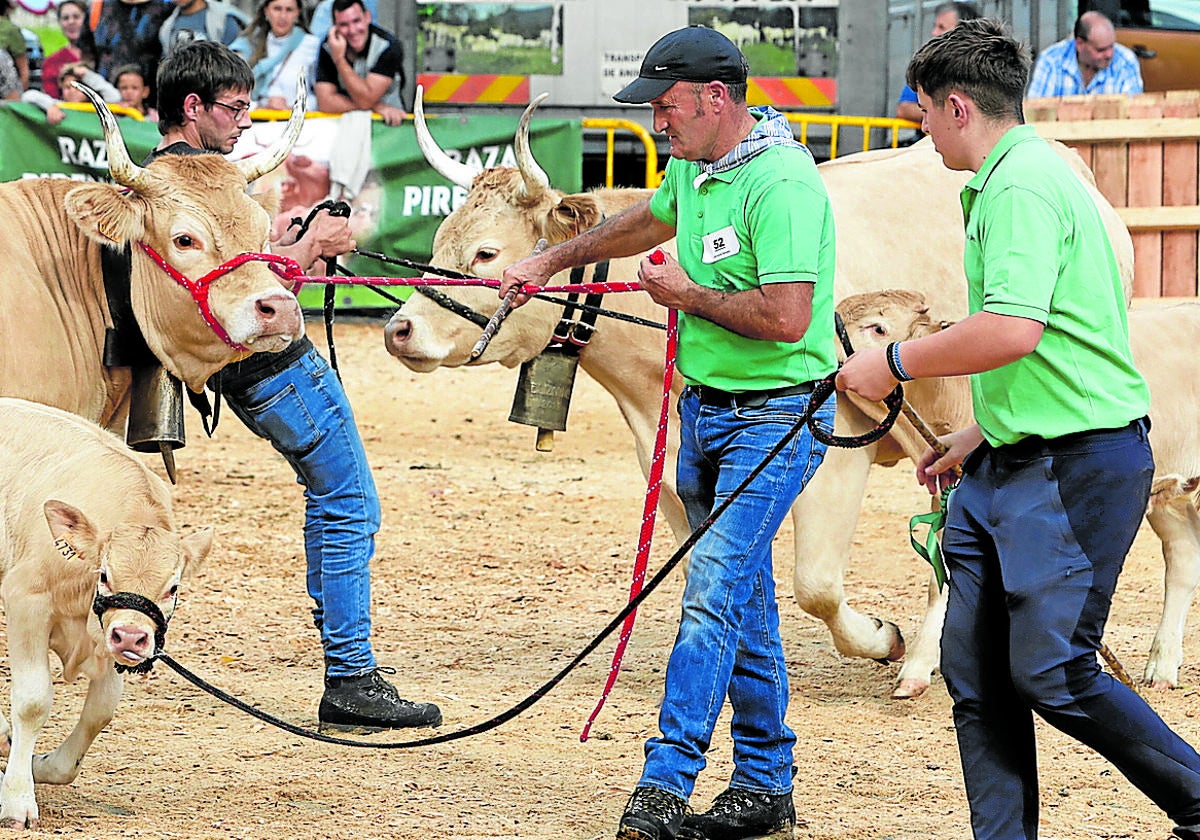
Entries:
{"x":1143,"y":151}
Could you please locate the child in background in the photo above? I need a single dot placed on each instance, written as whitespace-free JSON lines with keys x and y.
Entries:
{"x":75,"y":72}
{"x":134,"y":90}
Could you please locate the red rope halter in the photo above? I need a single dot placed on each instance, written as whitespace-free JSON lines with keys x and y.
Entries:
{"x":285,"y":267}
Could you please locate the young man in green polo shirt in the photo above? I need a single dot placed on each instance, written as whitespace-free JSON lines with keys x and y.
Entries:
{"x":1057,"y":469}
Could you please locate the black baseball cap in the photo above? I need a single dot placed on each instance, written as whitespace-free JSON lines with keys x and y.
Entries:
{"x":695,"y":54}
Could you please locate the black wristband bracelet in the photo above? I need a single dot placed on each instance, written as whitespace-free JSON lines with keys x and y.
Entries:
{"x":891,"y":363}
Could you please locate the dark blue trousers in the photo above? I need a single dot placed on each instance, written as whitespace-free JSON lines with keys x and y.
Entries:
{"x":1036,"y":536}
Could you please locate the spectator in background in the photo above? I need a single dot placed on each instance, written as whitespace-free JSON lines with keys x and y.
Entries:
{"x":81,"y":46}
{"x":201,"y":20}
{"x":10,"y":82}
{"x":1091,"y":62}
{"x":13,"y":42}
{"x":945,"y":17}
{"x":127,"y":33}
{"x":131,"y":84}
{"x":322,"y":17}
{"x":278,"y":46}
{"x":361,"y":67}
{"x":65,"y":82}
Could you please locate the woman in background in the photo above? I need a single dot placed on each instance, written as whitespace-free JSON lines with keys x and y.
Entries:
{"x":81,"y":46}
{"x":278,"y":48}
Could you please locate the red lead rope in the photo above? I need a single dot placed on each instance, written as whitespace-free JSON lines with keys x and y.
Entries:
{"x":291,"y":272}
{"x":649,"y":514}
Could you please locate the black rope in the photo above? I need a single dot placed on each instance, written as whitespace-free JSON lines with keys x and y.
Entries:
{"x":821,"y":393}
{"x":339,"y":209}
{"x":454,"y":305}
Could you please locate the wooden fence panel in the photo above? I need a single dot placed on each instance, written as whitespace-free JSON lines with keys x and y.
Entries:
{"x":1181,"y":188}
{"x":1144,"y":153}
{"x":1145,"y":177}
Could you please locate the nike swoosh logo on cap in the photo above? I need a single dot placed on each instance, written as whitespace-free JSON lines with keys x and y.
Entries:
{"x":658,"y":68}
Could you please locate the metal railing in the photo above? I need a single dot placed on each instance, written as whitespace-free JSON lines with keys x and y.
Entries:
{"x":611,"y":127}
{"x":653,"y":176}
{"x":837,"y":122}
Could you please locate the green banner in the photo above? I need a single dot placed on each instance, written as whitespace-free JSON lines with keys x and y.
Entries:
{"x":397,"y":200}
{"x":32,"y":148}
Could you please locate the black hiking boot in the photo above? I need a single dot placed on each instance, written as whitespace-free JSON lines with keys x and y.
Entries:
{"x":652,"y":814}
{"x":369,"y":703}
{"x":738,"y":814}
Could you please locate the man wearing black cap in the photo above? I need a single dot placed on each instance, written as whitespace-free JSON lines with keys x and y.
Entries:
{"x":756,"y":261}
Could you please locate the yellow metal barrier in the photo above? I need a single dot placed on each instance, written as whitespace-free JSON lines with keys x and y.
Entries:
{"x":611,"y":127}
{"x":119,"y":110}
{"x":836,"y":122}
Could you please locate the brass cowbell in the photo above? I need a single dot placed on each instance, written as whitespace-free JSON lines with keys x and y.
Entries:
{"x":543,"y":394}
{"x":155,"y":414}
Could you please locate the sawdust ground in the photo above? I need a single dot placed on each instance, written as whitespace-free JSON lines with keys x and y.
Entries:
{"x":495,"y":565}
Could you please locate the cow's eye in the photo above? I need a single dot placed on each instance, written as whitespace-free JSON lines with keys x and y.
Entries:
{"x":184,"y":242}
{"x":878,"y":329}
{"x":173,"y":591}
{"x":103,"y":578}
{"x":486,"y":254}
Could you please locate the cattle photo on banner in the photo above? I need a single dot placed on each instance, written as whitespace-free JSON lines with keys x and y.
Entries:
{"x":397,"y":200}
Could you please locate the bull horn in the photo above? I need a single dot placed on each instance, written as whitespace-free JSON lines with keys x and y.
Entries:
{"x":263,"y":162}
{"x":120,"y":165}
{"x":535,"y":178}
{"x":452,"y":170}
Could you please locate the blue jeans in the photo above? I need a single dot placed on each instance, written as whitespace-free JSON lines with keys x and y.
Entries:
{"x":303,"y":411}
{"x":1035,"y":540}
{"x":728,"y":641}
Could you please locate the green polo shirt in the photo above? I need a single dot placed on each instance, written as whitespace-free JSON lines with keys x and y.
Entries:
{"x":765,"y":221}
{"x":1037,"y":248}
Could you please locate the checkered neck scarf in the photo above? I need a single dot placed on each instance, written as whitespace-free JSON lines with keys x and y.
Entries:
{"x":772,"y":131}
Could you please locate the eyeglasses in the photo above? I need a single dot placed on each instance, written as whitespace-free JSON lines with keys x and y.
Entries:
{"x":238,"y":111}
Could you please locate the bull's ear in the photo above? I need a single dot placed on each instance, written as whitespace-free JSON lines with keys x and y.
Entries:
{"x":106,"y":213}
{"x":67,"y":523}
{"x":196,"y":547}
{"x":570,"y":217}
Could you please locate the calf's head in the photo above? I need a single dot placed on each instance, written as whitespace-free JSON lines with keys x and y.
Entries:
{"x":141,"y":559}
{"x":876,"y":319}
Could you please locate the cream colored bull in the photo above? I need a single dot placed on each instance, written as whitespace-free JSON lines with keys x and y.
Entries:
{"x":80,"y":516}
{"x":191,"y":210}
{"x":897,"y":215}
{"x":1163,"y":337}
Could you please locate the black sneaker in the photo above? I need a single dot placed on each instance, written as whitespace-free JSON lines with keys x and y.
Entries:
{"x":738,"y":814}
{"x":651,"y":814}
{"x":369,"y":703}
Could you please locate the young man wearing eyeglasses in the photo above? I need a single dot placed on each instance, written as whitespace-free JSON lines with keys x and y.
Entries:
{"x":203,"y":105}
